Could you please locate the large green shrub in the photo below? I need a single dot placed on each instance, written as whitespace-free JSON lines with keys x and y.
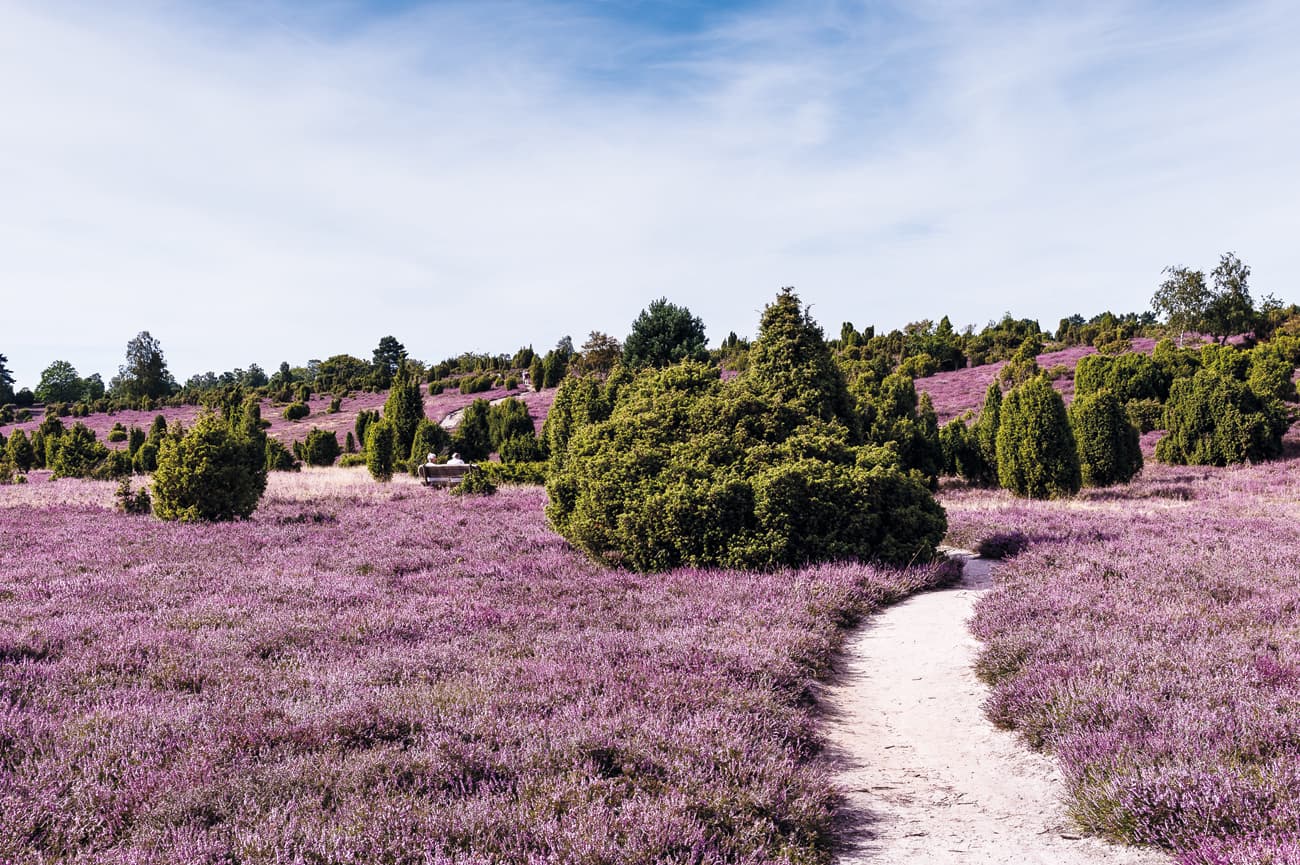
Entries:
{"x":1037,"y":454}
{"x":507,"y":419}
{"x":1270,"y":374}
{"x":321,"y":447}
{"x":79,"y":454}
{"x":759,"y":472}
{"x":296,"y":411}
{"x":1127,"y":376}
{"x":19,"y":451}
{"x":892,"y":414}
{"x":215,"y":471}
{"x":380,"y":445}
{"x":1109,"y":448}
{"x":664,"y":334}
{"x":1213,"y":419}
{"x":473,"y":437}
{"x":522,"y":448}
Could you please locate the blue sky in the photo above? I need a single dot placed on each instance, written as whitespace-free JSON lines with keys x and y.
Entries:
{"x":263,"y":181}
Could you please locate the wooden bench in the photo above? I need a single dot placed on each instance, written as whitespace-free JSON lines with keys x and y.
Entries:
{"x":444,"y":475}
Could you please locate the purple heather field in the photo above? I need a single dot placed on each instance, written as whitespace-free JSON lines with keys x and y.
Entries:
{"x":1150,"y":638}
{"x":367,"y":673}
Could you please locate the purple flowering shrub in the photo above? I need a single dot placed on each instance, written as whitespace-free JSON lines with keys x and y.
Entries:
{"x":1152,"y":642}
{"x":380,"y":673}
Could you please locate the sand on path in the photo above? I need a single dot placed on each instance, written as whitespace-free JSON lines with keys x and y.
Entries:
{"x":928,"y":777}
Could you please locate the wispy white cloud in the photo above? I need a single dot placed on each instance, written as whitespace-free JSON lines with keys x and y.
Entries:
{"x":259,"y":185}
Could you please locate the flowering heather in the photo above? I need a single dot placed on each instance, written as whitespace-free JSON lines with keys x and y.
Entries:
{"x":1150,"y":638}
{"x":382,"y":673}
{"x":957,"y":391}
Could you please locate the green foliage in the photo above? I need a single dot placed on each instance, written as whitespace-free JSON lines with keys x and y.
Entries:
{"x":117,"y":433}
{"x":507,"y":419}
{"x":1214,"y":419}
{"x":348,"y":461}
{"x":676,"y":468}
{"x":1174,"y":362}
{"x":578,"y":401}
{"x":522,"y":448}
{"x":791,"y":365}
{"x":60,"y":383}
{"x":381,"y":441}
{"x":1270,"y":374}
{"x":473,"y":436}
{"x":475,"y":383}
{"x":1023,"y":364}
{"x":519,"y":473}
{"x":132,"y":502}
{"x":38,"y":448}
{"x":536,"y":373}
{"x":1127,"y":376}
{"x":19,"y":452}
{"x":350,"y":443}
{"x":892,"y":415}
{"x":1109,"y":447}
{"x":303,"y":394}
{"x":404,"y":409}
{"x":336,"y":406}
{"x":365,"y":418}
{"x":1036,"y":451}
{"x":145,"y":458}
{"x":475,"y":483}
{"x":918,"y":366}
{"x":215,"y":471}
{"x":664,"y":334}
{"x":1145,"y":414}
{"x":296,"y":411}
{"x":430,"y":438}
{"x":78,"y":453}
{"x":145,"y":372}
{"x":279,"y":458}
{"x":389,"y":356}
{"x":6,"y":382}
{"x":321,"y":447}
{"x":115,"y":464}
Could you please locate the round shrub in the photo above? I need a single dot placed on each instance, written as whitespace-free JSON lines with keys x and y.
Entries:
{"x":321,"y":447}
{"x":117,"y":433}
{"x":1037,"y":454}
{"x":473,"y":437}
{"x":1213,"y":419}
{"x":212,"y":472}
{"x":1109,"y":448}
{"x":78,"y":454}
{"x":759,"y":472}
{"x":296,"y":411}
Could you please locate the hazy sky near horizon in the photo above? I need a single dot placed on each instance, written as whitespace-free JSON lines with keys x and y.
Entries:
{"x":254,"y":182}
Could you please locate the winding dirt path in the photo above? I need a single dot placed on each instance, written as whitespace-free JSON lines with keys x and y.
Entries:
{"x":929,"y":778}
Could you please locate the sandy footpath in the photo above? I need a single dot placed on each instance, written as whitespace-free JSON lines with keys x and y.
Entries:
{"x":929,"y":779}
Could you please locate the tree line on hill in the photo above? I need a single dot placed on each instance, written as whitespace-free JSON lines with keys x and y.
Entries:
{"x":815,"y":449}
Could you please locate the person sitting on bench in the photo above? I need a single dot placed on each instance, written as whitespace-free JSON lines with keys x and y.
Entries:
{"x":456,"y":461}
